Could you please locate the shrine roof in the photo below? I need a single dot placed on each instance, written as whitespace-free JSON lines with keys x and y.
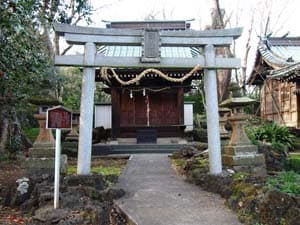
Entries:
{"x":136,"y":51}
{"x":157,"y":24}
{"x":276,"y":58}
{"x":280,"y":52}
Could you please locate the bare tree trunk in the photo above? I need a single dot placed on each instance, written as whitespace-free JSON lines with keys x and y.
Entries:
{"x":56,"y":43}
{"x":223,"y":76}
{"x":9,"y":133}
{"x":3,"y":131}
{"x":245,"y":60}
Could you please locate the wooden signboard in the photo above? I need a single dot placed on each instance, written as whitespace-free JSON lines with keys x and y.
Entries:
{"x":59,"y":118}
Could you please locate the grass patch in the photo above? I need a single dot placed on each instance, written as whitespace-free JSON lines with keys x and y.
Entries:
{"x":288,"y":182}
{"x":240,"y":176}
{"x":293,"y":163}
{"x":295,"y":156}
{"x":111,"y":170}
{"x":179,"y":162}
{"x":101,"y":166}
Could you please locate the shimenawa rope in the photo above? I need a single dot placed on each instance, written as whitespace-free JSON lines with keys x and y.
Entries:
{"x":105,"y":75}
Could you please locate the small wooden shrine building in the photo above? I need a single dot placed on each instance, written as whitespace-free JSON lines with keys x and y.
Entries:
{"x":150,"y":106}
{"x":277,"y":72}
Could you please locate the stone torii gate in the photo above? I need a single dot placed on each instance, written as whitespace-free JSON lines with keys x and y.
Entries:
{"x":151,"y":40}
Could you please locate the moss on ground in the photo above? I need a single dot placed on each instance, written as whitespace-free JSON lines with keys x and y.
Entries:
{"x":110,"y":170}
{"x":102,"y":166}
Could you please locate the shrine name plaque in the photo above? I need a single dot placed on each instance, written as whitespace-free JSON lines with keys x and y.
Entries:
{"x":59,"y":118}
{"x":151,"y":46}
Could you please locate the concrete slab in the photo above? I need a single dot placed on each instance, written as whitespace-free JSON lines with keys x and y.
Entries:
{"x":155,"y":195}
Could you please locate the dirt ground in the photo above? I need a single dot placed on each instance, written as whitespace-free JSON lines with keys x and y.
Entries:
{"x":10,"y":171}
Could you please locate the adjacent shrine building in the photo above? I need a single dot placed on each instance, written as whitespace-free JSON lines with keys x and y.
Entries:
{"x":276,"y":72}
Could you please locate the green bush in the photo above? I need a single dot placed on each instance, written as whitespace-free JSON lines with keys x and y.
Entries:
{"x":31,"y":133}
{"x":288,"y":182}
{"x":279,"y":136}
{"x":293,"y":163}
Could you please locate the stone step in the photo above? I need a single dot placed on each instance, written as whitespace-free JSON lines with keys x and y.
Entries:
{"x":136,"y":148}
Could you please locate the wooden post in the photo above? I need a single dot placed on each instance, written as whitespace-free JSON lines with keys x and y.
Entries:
{"x":212,"y":114}
{"x":115,"y":111}
{"x":180,"y":105}
{"x":86,"y":112}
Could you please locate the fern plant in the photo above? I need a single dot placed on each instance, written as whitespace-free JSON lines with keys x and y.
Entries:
{"x":279,"y":136}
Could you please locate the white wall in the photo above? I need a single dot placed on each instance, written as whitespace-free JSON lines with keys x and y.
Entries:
{"x":188,"y":116}
{"x":103,"y":116}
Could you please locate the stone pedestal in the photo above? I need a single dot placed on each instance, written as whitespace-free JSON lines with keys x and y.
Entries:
{"x":44,"y":145}
{"x":73,"y":135}
{"x":224,"y":134}
{"x":240,"y":153}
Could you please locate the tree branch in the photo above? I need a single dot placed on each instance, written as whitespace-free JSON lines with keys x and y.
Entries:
{"x":66,"y":49}
{"x":217,"y":4}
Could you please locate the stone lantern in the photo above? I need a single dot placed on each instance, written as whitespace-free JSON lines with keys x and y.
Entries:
{"x":73,"y":135}
{"x":240,"y":153}
{"x":44,"y":144}
{"x":42,"y":153}
{"x":224,"y":134}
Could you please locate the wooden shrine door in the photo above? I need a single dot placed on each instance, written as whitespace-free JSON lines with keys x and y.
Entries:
{"x":163,"y":110}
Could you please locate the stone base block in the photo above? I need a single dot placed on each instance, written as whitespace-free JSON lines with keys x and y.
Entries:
{"x":243,"y":160}
{"x":46,"y":144}
{"x":114,"y":142}
{"x":182,"y":141}
{"x":45,"y":165}
{"x":70,"y":148}
{"x":224,"y":142}
{"x":259,"y":171}
{"x":74,"y":138}
{"x":68,"y":144}
{"x":240,"y":150}
{"x":40,"y":152}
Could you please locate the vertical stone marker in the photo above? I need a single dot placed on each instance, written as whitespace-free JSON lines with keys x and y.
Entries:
{"x":58,"y":118}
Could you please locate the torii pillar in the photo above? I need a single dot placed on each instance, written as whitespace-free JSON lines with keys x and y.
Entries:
{"x":212,"y":112}
{"x":86,"y":111}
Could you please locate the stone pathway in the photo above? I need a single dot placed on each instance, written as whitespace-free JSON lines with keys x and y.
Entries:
{"x":155,"y":195}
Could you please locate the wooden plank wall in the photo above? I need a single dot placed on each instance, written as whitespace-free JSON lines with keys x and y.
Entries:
{"x":279,"y":103}
{"x":166,"y":111}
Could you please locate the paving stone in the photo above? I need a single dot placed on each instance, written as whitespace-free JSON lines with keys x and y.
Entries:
{"x":155,"y":195}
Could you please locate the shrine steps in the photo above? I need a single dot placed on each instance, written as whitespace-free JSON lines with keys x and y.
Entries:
{"x":107,"y":149}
